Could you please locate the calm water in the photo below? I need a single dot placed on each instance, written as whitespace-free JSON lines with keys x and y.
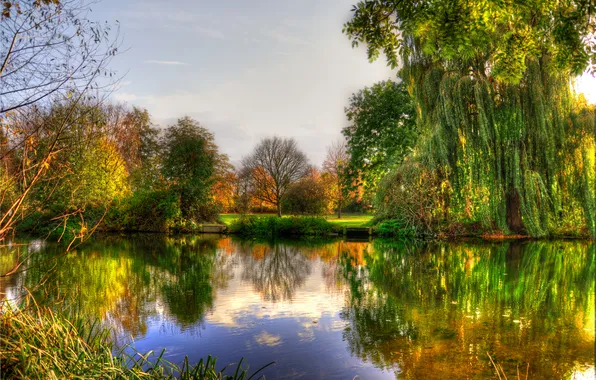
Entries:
{"x":334,"y":309}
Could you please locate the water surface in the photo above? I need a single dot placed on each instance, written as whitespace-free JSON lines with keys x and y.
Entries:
{"x":334,"y":309}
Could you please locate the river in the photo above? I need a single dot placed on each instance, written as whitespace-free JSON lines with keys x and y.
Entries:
{"x":331,"y":309}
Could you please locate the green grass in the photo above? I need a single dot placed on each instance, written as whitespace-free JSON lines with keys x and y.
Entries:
{"x":347,"y":220}
{"x":228,"y":219}
{"x":42,"y":344}
{"x":350,"y":220}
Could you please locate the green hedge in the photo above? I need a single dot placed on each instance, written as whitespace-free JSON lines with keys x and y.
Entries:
{"x":273,"y":226}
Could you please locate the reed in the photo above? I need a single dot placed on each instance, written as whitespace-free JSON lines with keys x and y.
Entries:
{"x":38,"y":343}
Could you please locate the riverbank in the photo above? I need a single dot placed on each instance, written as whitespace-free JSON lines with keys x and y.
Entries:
{"x":347,"y":220}
{"x":272,"y":226}
{"x":39,"y":343}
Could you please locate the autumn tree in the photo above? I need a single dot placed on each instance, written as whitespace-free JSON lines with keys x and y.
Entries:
{"x":224,"y":190}
{"x":309,"y":195}
{"x":274,"y":166}
{"x":49,"y":52}
{"x":336,"y":165}
{"x":137,"y":139}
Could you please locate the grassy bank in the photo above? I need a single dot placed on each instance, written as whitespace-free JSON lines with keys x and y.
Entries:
{"x":41,"y":344}
{"x":348,"y":220}
{"x":271,"y":226}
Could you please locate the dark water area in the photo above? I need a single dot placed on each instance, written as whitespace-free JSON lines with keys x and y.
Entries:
{"x":332,"y":309}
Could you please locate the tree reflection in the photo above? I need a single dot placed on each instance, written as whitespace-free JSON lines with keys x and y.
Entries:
{"x":439,"y":309}
{"x":426,"y":311}
{"x":275,"y":271}
{"x":126,"y":281}
{"x":186,"y":285}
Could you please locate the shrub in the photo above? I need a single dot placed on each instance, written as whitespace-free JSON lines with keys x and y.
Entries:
{"x":308,"y":196}
{"x":413,"y":197}
{"x":396,"y":228}
{"x":151,"y":211}
{"x":156,"y":211}
{"x":273,"y":226}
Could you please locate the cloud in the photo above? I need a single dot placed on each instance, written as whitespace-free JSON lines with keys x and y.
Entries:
{"x":125,"y":97}
{"x":209,"y":32}
{"x":158,"y":62}
{"x":266,"y":339}
{"x":239,"y":304}
{"x":175,"y":20}
{"x":285,"y":38}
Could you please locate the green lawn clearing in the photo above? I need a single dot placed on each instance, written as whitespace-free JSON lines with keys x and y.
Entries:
{"x":347,"y":220}
{"x":350,"y":220}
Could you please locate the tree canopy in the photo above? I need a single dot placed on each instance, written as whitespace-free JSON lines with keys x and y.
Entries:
{"x":504,"y":142}
{"x":189,"y":164}
{"x":273,"y":167}
{"x":498,"y":38}
{"x":382,"y":131}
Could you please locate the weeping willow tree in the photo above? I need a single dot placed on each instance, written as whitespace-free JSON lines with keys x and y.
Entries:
{"x":505,"y":141}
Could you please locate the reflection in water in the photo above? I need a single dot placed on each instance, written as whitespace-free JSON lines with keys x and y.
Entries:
{"x":275,"y":271}
{"x":442,"y":308}
{"x":405,"y":310}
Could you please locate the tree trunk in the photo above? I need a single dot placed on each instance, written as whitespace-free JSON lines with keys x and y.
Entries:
{"x":339,"y":209}
{"x":514,"y":218}
{"x":279,"y":210}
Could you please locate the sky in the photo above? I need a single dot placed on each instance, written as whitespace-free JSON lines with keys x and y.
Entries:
{"x":245,"y":70}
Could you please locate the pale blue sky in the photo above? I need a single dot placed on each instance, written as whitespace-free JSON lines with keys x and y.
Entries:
{"x":244,"y":69}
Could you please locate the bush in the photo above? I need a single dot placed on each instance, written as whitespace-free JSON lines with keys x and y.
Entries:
{"x":151,"y":211}
{"x":307,"y":196}
{"x":156,"y":211}
{"x":412,"y":198}
{"x":273,"y":226}
{"x":396,"y":228}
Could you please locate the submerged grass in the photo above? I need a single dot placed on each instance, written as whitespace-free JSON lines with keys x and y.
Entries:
{"x":38,"y":343}
{"x":501,"y":372}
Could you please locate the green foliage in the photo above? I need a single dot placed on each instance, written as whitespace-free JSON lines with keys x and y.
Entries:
{"x":382,"y":131}
{"x":273,"y":226}
{"x":98,"y":177}
{"x":506,"y":34}
{"x":146,"y":211}
{"x":396,"y":228}
{"x":87,"y":168}
{"x":145,"y":175}
{"x":188,"y":165}
{"x":42,"y":344}
{"x":502,"y":136}
{"x":307,"y":196}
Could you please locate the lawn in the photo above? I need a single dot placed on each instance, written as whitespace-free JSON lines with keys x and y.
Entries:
{"x":348,"y":220}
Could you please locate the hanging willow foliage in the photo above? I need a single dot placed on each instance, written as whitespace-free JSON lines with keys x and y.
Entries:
{"x":505,"y":142}
{"x":519,"y":158}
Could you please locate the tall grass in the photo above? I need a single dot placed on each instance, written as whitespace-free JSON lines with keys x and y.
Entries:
{"x":38,"y":343}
